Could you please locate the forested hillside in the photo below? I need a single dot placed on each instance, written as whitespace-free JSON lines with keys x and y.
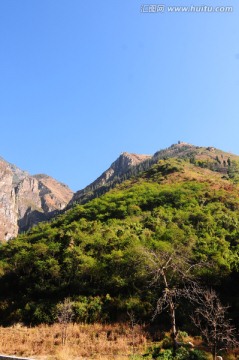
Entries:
{"x":204,"y":157}
{"x":95,"y":254}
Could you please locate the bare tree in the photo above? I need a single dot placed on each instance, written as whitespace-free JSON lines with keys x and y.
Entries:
{"x":64,"y":316}
{"x":210,"y":317}
{"x":171,"y":272}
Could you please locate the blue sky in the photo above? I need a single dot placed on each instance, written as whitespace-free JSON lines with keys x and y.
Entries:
{"x":80,"y":82}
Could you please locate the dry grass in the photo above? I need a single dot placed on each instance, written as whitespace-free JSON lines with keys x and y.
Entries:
{"x":101,"y":342}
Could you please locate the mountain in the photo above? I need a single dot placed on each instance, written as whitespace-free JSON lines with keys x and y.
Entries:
{"x":203,"y":156}
{"x":109,"y":177}
{"x":186,"y":200}
{"x":26,"y":200}
{"x":128,"y":165}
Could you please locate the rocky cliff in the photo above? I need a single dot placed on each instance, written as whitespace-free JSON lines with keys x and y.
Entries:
{"x":117,"y":169}
{"x":25,"y":200}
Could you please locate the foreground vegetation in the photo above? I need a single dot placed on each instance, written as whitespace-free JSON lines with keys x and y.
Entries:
{"x":83,"y":341}
{"x":100,"y":342}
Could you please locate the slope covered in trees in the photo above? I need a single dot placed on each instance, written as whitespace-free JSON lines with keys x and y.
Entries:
{"x":204,"y":157}
{"x":94,"y":254}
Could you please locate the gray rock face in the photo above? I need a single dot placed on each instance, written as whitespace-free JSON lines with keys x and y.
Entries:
{"x":118,"y":168}
{"x":25,"y":200}
{"x":124,"y":162}
{"x":8,"y":208}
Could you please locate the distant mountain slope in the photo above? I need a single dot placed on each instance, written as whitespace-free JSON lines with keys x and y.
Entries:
{"x":112,"y":175}
{"x":54,"y":194}
{"x":210,"y":155}
{"x":128,"y":165}
{"x":25,"y":200}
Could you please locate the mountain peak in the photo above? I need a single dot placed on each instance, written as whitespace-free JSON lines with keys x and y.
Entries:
{"x":126,"y":160}
{"x":117,"y":169}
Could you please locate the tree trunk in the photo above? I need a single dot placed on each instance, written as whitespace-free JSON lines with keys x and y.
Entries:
{"x":214,"y":352}
{"x":173,"y":325}
{"x":172,"y":316}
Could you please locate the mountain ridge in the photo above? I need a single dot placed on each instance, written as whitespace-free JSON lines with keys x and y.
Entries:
{"x":28,"y":199}
{"x":208,"y":157}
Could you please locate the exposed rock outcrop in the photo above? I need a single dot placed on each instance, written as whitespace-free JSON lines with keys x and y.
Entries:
{"x":8,"y":209}
{"x":118,"y":168}
{"x":25,"y":200}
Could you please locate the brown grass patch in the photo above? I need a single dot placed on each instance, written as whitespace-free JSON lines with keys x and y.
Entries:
{"x":83,"y":342}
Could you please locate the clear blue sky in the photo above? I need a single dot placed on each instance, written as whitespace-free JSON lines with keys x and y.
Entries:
{"x":82,"y":81}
